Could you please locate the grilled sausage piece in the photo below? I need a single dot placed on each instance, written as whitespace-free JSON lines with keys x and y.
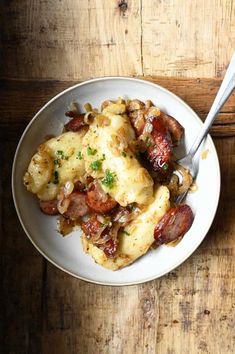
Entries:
{"x":175,"y":128}
{"x":174,"y":224}
{"x":77,"y":205}
{"x":92,"y":227}
{"x":160,"y":152}
{"x":110,"y":248}
{"x":98,"y":200}
{"x":75,"y":123}
{"x":102,"y":236}
{"x":49,"y":207}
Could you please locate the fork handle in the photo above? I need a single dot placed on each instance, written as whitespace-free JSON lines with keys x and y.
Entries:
{"x":223,"y":94}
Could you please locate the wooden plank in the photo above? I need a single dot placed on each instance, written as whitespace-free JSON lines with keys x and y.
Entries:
{"x":21,"y":269}
{"x":12,"y":240}
{"x":199,"y":94}
{"x":88,"y":38}
{"x":70,"y":39}
{"x":187,"y":38}
{"x":21,"y":295}
{"x":86,"y":318}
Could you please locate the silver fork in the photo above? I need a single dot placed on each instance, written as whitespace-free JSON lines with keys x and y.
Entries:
{"x":225,"y":90}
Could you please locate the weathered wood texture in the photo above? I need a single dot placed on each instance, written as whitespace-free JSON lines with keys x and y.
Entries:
{"x":70,"y":39}
{"x":199,"y":94}
{"x":43,"y":310}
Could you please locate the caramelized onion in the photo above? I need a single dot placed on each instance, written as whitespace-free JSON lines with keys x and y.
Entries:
{"x":102,"y":195}
{"x":102,"y":240}
{"x":89,"y":116}
{"x":65,"y":226}
{"x":180,"y":181}
{"x":101,"y":218}
{"x":111,"y":234}
{"x":95,"y":238}
{"x":63,"y":205}
{"x":73,"y":107}
{"x":148,"y":128}
{"x":124,"y":215}
{"x":68,"y":188}
{"x":186,"y":179}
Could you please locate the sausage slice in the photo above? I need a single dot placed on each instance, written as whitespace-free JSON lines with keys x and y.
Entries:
{"x":75,"y":123}
{"x":160,"y":152}
{"x":92,"y":227}
{"x":77,"y":205}
{"x":49,"y":207}
{"x":98,"y":200}
{"x":175,"y":128}
{"x":174,"y":224}
{"x":102,"y":236}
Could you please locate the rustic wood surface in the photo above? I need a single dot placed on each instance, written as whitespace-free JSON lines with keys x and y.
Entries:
{"x":70,"y":39}
{"x":43,"y":310}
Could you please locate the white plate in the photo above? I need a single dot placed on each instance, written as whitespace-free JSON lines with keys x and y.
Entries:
{"x":66,"y":253}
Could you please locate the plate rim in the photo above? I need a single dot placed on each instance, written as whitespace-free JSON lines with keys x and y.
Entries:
{"x":103,"y":283}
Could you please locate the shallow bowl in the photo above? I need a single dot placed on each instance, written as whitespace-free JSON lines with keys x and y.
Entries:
{"x":66,"y":253}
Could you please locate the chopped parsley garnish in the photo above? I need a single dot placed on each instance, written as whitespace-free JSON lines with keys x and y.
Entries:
{"x":57,"y":162}
{"x":106,"y":222}
{"x":103,"y":158}
{"x":131,"y":207}
{"x":95,"y":165}
{"x":108,"y":180}
{"x":61,"y":155}
{"x":79,"y":155}
{"x":165,"y":166}
{"x":56,"y":177}
{"x":148,"y":141}
{"x":90,"y":151}
{"x":126,"y":233}
{"x":123,"y":154}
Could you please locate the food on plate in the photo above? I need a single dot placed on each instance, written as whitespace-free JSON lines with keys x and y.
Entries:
{"x":177,"y":219}
{"x":110,"y":136}
{"x":113,"y":173}
{"x":55,"y":163}
{"x":136,"y":238}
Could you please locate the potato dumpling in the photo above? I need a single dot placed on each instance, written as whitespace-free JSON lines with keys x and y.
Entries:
{"x":39,"y":171}
{"x":109,"y":155}
{"x":57,"y":161}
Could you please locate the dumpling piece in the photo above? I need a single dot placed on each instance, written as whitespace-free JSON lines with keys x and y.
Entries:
{"x":57,"y":161}
{"x":109,"y":156}
{"x":137,"y":237}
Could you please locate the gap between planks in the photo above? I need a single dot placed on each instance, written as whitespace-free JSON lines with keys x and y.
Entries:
{"x":22,"y":96}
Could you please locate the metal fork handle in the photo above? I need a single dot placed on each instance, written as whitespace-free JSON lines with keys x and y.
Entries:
{"x":223,"y":94}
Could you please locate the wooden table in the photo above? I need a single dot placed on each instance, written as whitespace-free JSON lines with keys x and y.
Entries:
{"x":43,"y":310}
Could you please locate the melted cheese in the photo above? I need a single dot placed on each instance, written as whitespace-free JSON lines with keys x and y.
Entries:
{"x":58,"y":154}
{"x":139,"y":237}
{"x":107,"y":141}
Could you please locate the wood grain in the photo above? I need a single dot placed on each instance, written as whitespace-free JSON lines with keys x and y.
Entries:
{"x":187,"y":38}
{"x":82,"y":39}
{"x":43,"y":310}
{"x":70,"y":40}
{"x":198,"y":93}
